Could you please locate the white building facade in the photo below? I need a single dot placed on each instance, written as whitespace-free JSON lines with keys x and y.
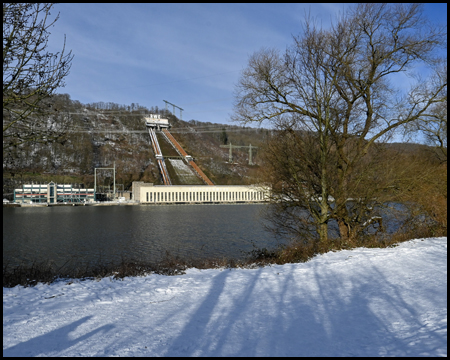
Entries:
{"x":52,"y":193}
{"x":172,"y":194}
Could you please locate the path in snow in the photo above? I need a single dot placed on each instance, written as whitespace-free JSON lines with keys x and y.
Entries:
{"x":362,"y":302}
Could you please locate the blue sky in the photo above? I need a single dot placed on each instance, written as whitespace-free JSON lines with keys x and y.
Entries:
{"x":188,"y":54}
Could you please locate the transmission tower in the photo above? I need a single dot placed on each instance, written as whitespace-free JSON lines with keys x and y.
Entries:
{"x":174,"y":106}
{"x":230,"y":157}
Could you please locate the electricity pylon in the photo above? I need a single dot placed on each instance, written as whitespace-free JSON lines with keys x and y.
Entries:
{"x":174,"y":106}
{"x":230,"y":157}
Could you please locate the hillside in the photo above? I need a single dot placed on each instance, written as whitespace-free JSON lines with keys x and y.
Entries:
{"x":100,"y":134}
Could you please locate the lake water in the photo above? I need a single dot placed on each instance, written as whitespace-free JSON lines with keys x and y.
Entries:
{"x":88,"y":234}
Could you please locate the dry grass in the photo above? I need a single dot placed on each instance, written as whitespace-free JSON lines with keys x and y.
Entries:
{"x":299,"y":251}
{"x":44,"y":272}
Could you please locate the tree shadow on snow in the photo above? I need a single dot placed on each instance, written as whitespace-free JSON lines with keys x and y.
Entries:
{"x":311,"y":311}
{"x":55,"y":342}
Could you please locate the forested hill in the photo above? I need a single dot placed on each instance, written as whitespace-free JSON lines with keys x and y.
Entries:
{"x":100,"y":134}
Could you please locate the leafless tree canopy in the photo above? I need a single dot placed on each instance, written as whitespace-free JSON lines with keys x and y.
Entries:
{"x":31,"y":74}
{"x":334,"y":94}
{"x":434,"y":129}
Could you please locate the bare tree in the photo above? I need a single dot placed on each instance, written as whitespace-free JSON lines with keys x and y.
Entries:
{"x":332,"y":94}
{"x":31,"y":74}
{"x":434,"y":129}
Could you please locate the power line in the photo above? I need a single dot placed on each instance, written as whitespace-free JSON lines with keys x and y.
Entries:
{"x":175,"y":131}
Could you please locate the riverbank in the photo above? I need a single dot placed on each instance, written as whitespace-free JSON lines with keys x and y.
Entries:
{"x":126,"y":203}
{"x":150,"y":248}
{"x":36,"y":205}
{"x":360,"y":302}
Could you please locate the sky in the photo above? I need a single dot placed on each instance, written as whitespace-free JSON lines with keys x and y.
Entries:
{"x":190,"y":55}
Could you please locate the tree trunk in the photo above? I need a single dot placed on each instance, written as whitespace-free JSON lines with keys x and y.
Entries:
{"x":323,"y":233}
{"x":344,"y":230}
{"x":323,"y":222}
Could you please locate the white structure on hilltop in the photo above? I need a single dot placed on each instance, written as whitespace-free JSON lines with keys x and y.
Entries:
{"x":155,"y":122}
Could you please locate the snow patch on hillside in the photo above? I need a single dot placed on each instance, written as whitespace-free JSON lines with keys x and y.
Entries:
{"x":184,"y":172}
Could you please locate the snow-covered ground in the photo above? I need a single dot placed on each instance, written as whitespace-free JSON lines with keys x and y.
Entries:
{"x":363,"y":302}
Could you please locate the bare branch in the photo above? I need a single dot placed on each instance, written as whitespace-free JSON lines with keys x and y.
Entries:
{"x":31,"y":74}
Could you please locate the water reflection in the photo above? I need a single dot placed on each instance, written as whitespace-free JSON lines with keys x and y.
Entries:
{"x":91,"y":234}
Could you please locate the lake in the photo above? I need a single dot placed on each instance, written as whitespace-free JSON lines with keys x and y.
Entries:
{"x":92,"y":234}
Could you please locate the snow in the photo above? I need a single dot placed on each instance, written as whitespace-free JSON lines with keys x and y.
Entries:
{"x":361,"y":302}
{"x":184,"y":172}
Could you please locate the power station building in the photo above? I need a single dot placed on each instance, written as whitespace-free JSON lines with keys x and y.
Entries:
{"x":52,"y":193}
{"x":147,"y":193}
